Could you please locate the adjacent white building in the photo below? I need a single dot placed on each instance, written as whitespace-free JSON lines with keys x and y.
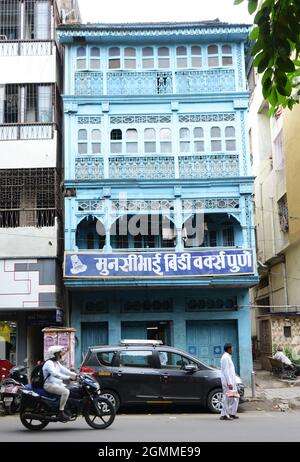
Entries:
{"x":30,"y":172}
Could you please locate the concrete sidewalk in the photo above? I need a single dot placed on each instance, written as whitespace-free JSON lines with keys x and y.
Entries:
{"x":272,"y":393}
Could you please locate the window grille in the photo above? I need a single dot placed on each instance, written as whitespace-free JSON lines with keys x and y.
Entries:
{"x":26,"y":103}
{"x":25,"y":20}
{"x":228,"y":236}
{"x":29,"y":197}
{"x":283,"y":213}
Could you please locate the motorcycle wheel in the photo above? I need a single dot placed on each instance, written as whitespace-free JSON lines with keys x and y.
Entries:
{"x":107,"y":414}
{"x":29,"y":423}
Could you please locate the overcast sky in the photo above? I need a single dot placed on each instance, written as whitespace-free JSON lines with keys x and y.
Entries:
{"x":163,"y":10}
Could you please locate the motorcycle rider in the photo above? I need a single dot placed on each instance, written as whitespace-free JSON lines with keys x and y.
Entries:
{"x":54,"y":375}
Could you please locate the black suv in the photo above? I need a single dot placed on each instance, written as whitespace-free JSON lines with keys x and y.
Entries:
{"x":147,"y":372}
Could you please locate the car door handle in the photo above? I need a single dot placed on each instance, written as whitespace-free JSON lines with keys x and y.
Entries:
{"x":119,"y":373}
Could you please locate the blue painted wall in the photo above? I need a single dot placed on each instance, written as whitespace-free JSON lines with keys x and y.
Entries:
{"x":180,"y":90}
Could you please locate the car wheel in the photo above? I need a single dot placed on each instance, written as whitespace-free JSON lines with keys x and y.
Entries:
{"x":214,"y":400}
{"x":112,"y":397}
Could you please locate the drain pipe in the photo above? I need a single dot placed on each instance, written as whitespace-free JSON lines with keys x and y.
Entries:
{"x":253,"y":383}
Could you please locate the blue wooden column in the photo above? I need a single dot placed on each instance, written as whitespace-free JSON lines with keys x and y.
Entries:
{"x":244,"y":335}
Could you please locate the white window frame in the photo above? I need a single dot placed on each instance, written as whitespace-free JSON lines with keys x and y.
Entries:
{"x":88,"y":58}
{"x":89,"y":140}
{"x":230,"y":138}
{"x":226,"y":55}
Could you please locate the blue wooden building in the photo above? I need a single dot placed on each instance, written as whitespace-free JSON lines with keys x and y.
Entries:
{"x":159,"y":240}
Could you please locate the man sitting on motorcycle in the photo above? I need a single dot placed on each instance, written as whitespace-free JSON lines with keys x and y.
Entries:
{"x":54,"y":375}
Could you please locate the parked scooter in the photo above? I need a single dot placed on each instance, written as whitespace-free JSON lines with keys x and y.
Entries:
{"x":11,"y":386}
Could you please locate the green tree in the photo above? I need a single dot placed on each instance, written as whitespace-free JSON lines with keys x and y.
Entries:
{"x":276,"y":48}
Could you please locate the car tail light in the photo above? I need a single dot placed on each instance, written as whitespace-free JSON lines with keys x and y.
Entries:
{"x":88,"y":370}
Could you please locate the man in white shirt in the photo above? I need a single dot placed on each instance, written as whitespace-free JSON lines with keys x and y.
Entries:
{"x":54,"y":375}
{"x":228,"y":379}
{"x":280,"y":356}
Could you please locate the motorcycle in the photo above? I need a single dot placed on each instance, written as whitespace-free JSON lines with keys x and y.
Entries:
{"x":39,"y":408}
{"x":11,"y":384}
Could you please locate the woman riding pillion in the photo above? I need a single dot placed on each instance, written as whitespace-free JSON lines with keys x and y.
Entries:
{"x":54,"y":375}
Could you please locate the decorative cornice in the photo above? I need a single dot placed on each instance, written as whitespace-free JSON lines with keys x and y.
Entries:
{"x":226,"y":282}
{"x":144,"y":30}
{"x":132,"y":183}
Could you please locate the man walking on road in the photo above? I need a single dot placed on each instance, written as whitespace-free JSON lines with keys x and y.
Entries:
{"x":230,"y":394}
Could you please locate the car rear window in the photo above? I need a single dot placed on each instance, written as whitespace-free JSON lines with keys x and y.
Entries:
{"x":106,"y":357}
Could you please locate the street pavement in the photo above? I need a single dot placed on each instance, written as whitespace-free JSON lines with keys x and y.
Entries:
{"x":252,"y":426}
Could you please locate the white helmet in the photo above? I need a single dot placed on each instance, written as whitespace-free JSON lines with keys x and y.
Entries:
{"x":54,"y":349}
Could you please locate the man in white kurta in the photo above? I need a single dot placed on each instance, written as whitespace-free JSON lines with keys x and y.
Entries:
{"x":228,"y":378}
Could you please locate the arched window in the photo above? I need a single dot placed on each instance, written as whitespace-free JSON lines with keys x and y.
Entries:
{"x":130,"y":58}
{"x":90,"y":234}
{"x":216,"y":142}
{"x":116,"y":141}
{"x":226,"y":55}
{"x":163,"y":58}
{"x":230,"y":140}
{"x":149,"y":140}
{"x":196,"y":56}
{"x":114,"y":58}
{"x":198,"y":139}
{"x":95,"y":58}
{"x":182,"y":58}
{"x":147,"y":58}
{"x":81,"y":58}
{"x":184,"y":136}
{"x":213,"y":56}
{"x":131,"y":141}
{"x":165,"y":141}
{"x":96,"y":141}
{"x":82,"y":142}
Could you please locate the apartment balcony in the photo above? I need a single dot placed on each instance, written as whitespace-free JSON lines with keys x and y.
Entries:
{"x":35,"y":131}
{"x":123,"y":83}
{"x":26,"y":48}
{"x":30,"y":233}
{"x":157,"y":167}
{"x":29,"y":145}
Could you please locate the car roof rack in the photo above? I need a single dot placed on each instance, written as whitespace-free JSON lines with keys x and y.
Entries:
{"x":140,"y":342}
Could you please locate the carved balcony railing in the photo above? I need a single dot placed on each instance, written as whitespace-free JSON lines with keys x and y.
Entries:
{"x":88,"y":83}
{"x":89,"y":168}
{"x":26,"y":132}
{"x":121,"y":83}
{"x":26,"y":48}
{"x":142,"y":167}
{"x":209,"y":166}
{"x":158,"y":167}
{"x":139,"y":83}
{"x":217,"y":80}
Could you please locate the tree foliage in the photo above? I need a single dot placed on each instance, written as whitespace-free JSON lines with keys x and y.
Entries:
{"x":276,"y":48}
